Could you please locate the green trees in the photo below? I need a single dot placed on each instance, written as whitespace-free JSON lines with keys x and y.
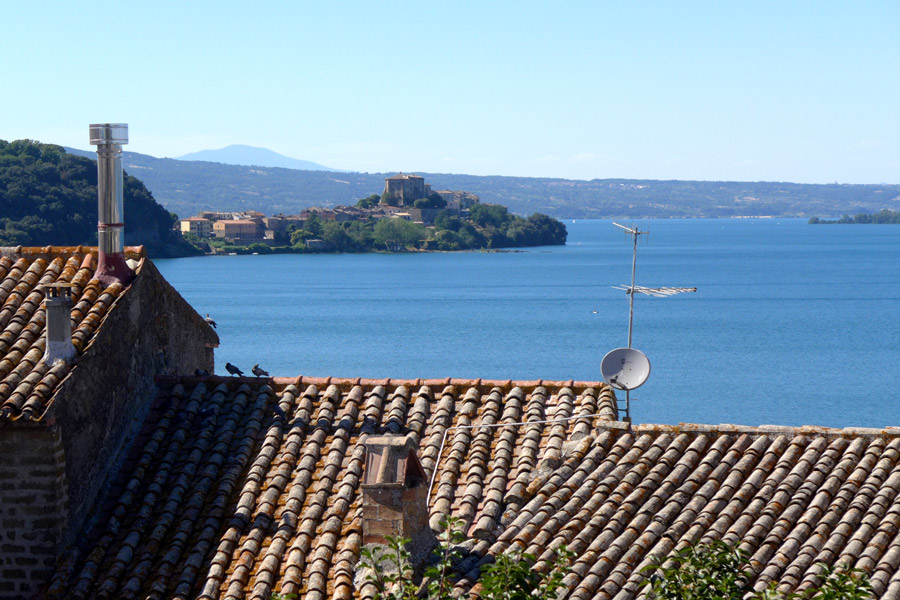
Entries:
{"x":338,"y":239}
{"x":369,"y":201}
{"x":718,"y":571}
{"x":313,"y":225}
{"x":389,"y":233}
{"x":882,"y":217}
{"x":433,"y":201}
{"x":489,"y":215}
{"x":50,"y":197}
{"x":496,"y":228}
{"x":703,"y":572}
{"x":509,"y":577}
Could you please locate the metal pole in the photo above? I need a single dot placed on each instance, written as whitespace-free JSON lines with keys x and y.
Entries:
{"x":631,"y":291}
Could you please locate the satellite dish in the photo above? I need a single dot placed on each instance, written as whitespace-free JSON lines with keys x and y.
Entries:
{"x":625,"y":368}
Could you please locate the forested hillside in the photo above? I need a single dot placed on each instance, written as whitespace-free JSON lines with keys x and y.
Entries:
{"x":187,"y":187}
{"x":49,"y":197}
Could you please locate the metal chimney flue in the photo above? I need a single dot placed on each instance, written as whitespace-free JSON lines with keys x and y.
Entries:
{"x":58,"y":304}
{"x":111,"y":265}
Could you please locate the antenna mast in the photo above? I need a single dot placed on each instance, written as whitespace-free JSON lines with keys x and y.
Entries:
{"x":634,"y":232}
{"x":626,"y":368}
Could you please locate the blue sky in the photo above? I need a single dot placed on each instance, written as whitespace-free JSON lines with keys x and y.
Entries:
{"x":748,"y":91}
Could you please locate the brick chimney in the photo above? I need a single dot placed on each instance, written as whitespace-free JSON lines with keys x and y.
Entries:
{"x":394,"y":495}
{"x":111,"y":265}
{"x":58,"y":306}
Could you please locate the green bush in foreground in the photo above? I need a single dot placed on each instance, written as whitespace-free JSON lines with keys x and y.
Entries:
{"x":718,"y":571}
{"x":509,"y":577}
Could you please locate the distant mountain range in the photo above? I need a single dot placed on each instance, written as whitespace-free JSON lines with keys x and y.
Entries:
{"x":187,"y":187}
{"x":252,"y":156}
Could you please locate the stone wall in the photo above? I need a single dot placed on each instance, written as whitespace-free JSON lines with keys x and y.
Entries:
{"x":426,"y":216}
{"x":33,"y":507}
{"x":151,"y":330}
{"x":406,"y":189}
{"x":53,"y":471}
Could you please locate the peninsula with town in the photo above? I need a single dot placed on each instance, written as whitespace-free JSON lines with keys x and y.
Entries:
{"x":47,"y":197}
{"x":408,"y":215}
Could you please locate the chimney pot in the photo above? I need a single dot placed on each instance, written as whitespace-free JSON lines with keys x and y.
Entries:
{"x":111,"y":265}
{"x":58,"y":306}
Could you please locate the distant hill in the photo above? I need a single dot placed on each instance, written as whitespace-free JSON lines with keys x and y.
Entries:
{"x":252,"y":156}
{"x":186,"y":187}
{"x":49,"y":197}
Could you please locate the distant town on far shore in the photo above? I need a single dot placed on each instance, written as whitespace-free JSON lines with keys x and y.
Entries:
{"x":48,"y":196}
{"x":407,"y":215}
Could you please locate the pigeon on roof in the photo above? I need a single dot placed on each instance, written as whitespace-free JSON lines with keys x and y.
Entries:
{"x":259,"y":372}
{"x":210,"y":321}
{"x":233,"y":369}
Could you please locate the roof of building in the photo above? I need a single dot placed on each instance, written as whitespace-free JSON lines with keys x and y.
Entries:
{"x":238,"y":487}
{"x":405,"y":176}
{"x":26,"y":383}
{"x":225,"y":222}
{"x":203,"y":219}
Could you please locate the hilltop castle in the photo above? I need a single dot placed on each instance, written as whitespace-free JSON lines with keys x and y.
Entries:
{"x":404,"y":190}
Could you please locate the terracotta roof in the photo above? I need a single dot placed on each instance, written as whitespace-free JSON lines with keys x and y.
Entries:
{"x":240,"y":487}
{"x":26,"y":383}
{"x":243,"y":485}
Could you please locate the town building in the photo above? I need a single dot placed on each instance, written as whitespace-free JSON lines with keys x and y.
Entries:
{"x":425,"y":216}
{"x":281,"y":223}
{"x":342,"y":214}
{"x":199,"y":226}
{"x":218,"y":215}
{"x":458,"y":203}
{"x":324,"y":214}
{"x":240,"y":231}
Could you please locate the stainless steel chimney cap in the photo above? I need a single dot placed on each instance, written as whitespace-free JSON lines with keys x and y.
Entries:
{"x":109,"y":133}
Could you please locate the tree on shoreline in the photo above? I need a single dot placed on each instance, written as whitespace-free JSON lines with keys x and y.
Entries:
{"x":882,"y":217}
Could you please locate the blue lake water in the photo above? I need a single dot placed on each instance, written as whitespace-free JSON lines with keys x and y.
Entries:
{"x":792,"y":324}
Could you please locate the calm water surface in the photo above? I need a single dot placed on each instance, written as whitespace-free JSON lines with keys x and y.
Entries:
{"x":792,"y":323}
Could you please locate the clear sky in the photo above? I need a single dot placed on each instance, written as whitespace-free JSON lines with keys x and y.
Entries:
{"x":748,"y":91}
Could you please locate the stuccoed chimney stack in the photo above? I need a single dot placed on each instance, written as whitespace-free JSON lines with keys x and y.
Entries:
{"x":111,"y":265}
{"x":58,"y":304}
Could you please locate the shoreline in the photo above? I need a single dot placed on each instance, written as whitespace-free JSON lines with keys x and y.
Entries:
{"x":517,"y":249}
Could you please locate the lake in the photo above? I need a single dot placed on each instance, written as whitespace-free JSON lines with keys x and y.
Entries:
{"x":791,"y":324}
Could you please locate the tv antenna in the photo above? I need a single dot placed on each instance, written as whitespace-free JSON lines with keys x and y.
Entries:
{"x":628,"y":368}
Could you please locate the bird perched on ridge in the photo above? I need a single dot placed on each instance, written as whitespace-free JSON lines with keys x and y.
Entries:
{"x":259,"y":372}
{"x":210,"y":321}
{"x":233,"y":369}
{"x":201,"y":373}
